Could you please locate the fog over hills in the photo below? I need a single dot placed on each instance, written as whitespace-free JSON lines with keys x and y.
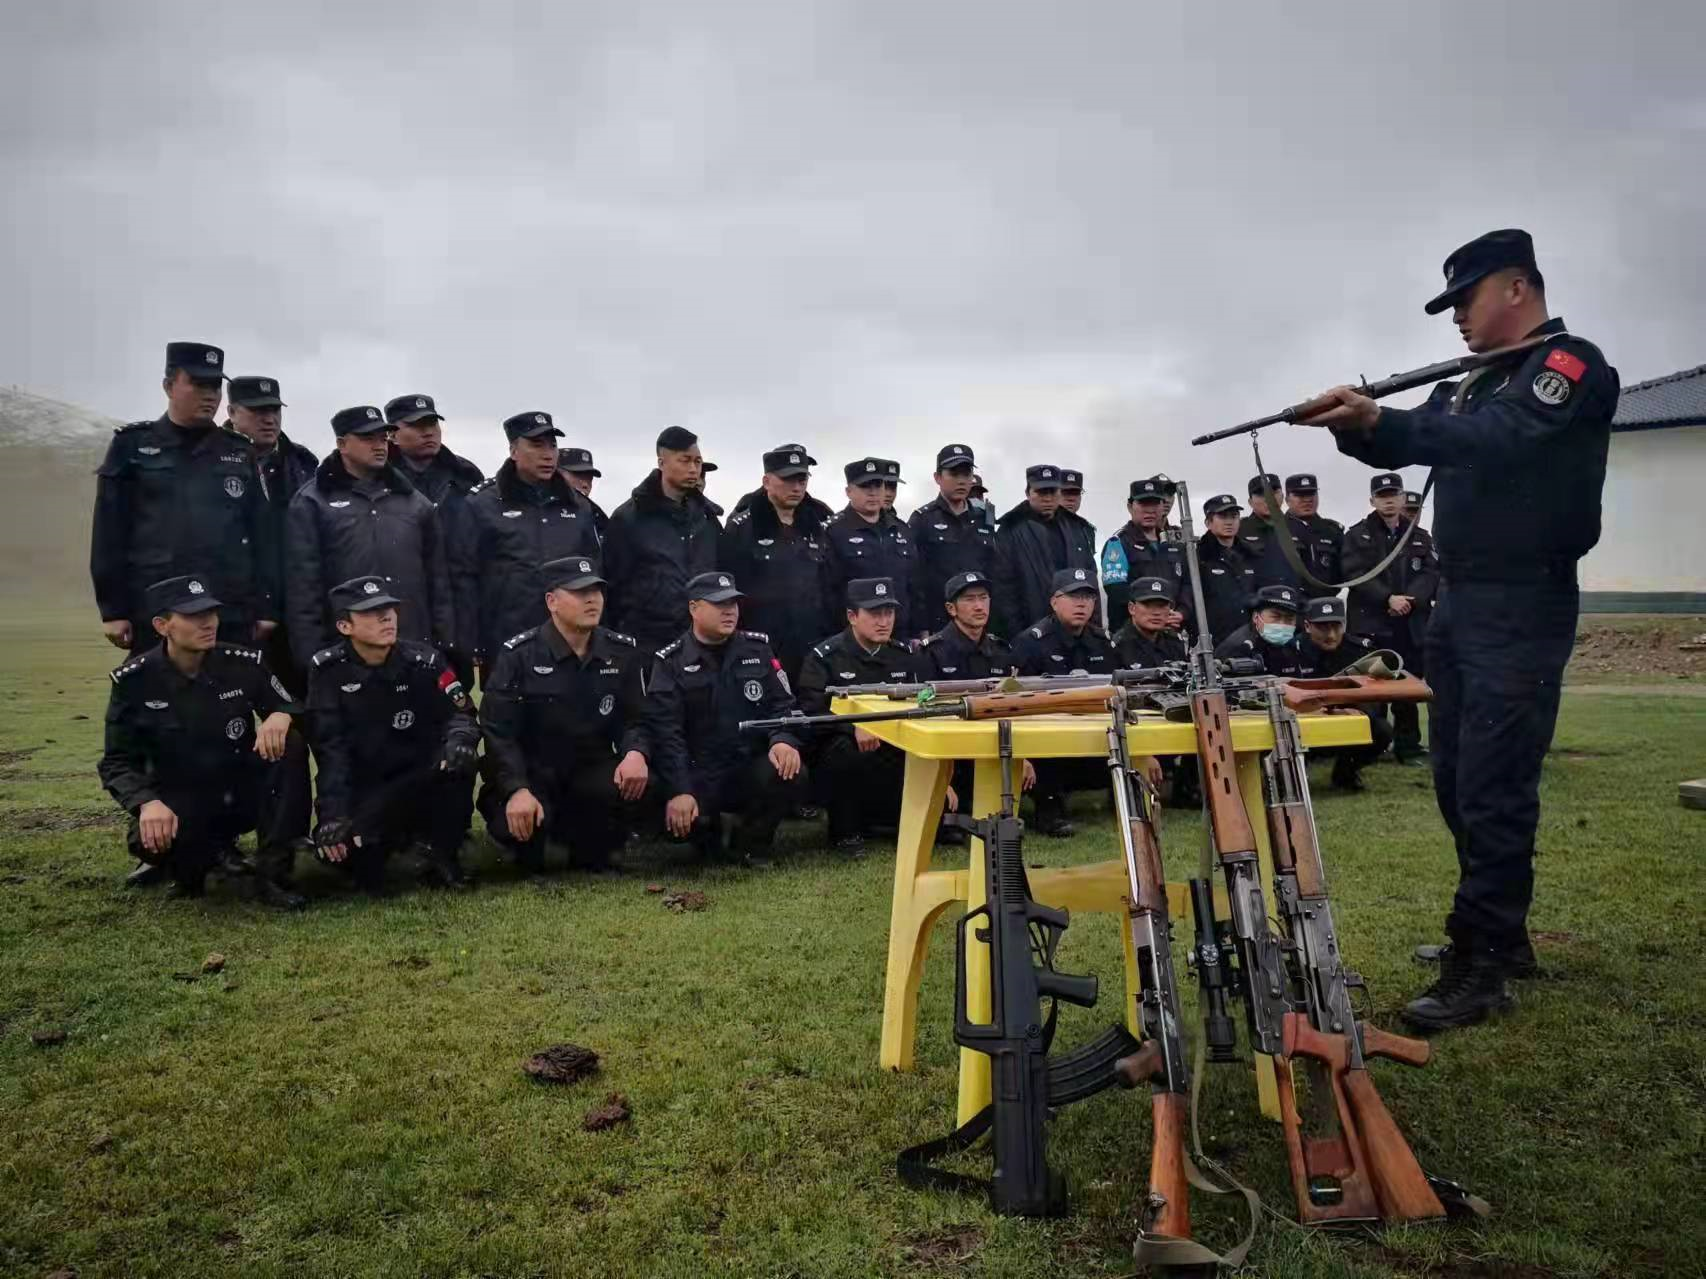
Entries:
{"x":48,"y":454}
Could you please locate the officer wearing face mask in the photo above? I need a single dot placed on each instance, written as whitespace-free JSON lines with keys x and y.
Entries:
{"x":1271,"y":634}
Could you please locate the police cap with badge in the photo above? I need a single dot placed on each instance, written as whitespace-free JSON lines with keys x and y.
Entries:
{"x":867,"y":470}
{"x":199,"y":361}
{"x":951,"y":457}
{"x":1386,"y":482}
{"x":1329,"y":608}
{"x":571,"y":573}
{"x":363,"y":419}
{"x":1221,"y":502}
{"x":713,"y":588}
{"x":1146,"y":590}
{"x":1280,"y":597}
{"x":787,"y":462}
{"x":1412,"y":500}
{"x":186,"y":595}
{"x":578,"y":461}
{"x":1473,"y":262}
{"x":1070,"y":479}
{"x":890,"y":470}
{"x":408,"y":409}
{"x":254,"y":393}
{"x":1074,"y":581}
{"x":1157,"y":488}
{"x":872,"y":592}
{"x":960,"y":583}
{"x":1265,"y":480}
{"x":1042,"y":476}
{"x":1303,"y":484}
{"x":361,"y":595}
{"x":532,"y":425}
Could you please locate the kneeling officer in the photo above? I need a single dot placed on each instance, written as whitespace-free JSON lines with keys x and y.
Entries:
{"x":186,"y":758}
{"x":395,"y":740}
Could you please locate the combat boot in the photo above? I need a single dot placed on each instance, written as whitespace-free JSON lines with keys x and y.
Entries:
{"x":1050,"y":818}
{"x":439,"y":869}
{"x":273,"y":872}
{"x":1471,"y":984}
{"x":146,"y":875}
{"x":1519,"y":960}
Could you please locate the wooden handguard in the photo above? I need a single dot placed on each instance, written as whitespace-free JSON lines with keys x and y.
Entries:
{"x":1218,"y":762}
{"x":1091,"y":700}
{"x":1304,"y":696}
{"x":1400,"y":1048}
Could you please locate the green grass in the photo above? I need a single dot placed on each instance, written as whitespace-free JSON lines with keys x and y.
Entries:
{"x":347,"y":1099}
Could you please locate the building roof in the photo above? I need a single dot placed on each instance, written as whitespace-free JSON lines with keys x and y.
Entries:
{"x":1677,"y":400}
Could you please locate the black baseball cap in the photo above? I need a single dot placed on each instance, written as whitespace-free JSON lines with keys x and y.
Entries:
{"x":571,"y":573}
{"x":1285,"y":597}
{"x":1221,"y":502}
{"x":1151,"y":588}
{"x":872,"y":592}
{"x":1042,"y":476}
{"x":363,"y":419}
{"x":1386,"y":482}
{"x":411,"y":408}
{"x":1303,"y":483}
{"x":361,"y":594}
{"x":577,"y":460}
{"x":201,"y":361}
{"x":960,"y":583}
{"x":677,"y":439}
{"x":1257,"y":481}
{"x":713,"y":588}
{"x":1074,"y":581}
{"x":785,"y":463}
{"x":187,"y":595}
{"x":1152,"y":489}
{"x":1478,"y":259}
{"x":952,"y":456}
{"x":867,"y":470}
{"x":1329,"y":608}
{"x":531,"y":425}
{"x":1070,"y":479}
{"x":254,"y":393}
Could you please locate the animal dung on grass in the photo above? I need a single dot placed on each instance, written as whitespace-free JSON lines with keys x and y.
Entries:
{"x":690,"y":899}
{"x":47,"y":1038}
{"x":561,"y":1064}
{"x":614,"y":1111}
{"x":213,"y":963}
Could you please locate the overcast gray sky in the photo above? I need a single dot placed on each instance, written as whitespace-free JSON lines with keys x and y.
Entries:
{"x":1076,"y":233}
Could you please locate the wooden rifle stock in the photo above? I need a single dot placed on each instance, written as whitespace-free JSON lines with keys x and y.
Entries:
{"x":1168,"y":1192}
{"x":1231,"y":824}
{"x":1304,"y":696}
{"x":1335,"y":1158}
{"x":1091,"y":699}
{"x":1400,"y":1048}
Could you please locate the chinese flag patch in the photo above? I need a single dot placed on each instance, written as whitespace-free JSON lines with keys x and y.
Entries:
{"x":1566,"y":364}
{"x":445,"y":679}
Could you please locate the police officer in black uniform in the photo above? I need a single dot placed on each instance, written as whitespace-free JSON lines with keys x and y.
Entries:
{"x":395,"y":744}
{"x":950,"y":536}
{"x":702,"y":686}
{"x":1229,"y":575}
{"x":1257,"y":526}
{"x":778,"y":550}
{"x":1147,"y":638}
{"x":1071,"y":490}
{"x":1141,"y":548}
{"x":859,"y":775}
{"x":1329,"y":648}
{"x":524,"y":516}
{"x":1034,"y":541}
{"x":965,"y":648}
{"x":1518,"y":450}
{"x":564,"y":717}
{"x":1319,"y":540}
{"x":417,"y":434}
{"x":1392,"y":609}
{"x":1271,"y":632}
{"x":181,"y":493}
{"x":867,"y":539}
{"x":578,"y":468}
{"x":200,"y":748}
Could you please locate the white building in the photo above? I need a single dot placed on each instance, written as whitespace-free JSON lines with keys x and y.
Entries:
{"x":1651,"y":556}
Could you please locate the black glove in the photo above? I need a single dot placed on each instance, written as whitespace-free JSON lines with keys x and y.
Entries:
{"x":460,"y":759}
{"x":330,"y":834}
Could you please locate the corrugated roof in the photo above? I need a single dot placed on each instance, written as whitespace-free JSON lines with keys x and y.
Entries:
{"x":1676,"y":400}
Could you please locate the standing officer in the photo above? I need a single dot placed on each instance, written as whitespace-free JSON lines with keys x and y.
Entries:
{"x":868,"y":539}
{"x":1518,"y":450}
{"x":179,"y":493}
{"x":702,"y":686}
{"x":524,"y":516}
{"x":1271,"y":632}
{"x":1034,"y":542}
{"x":891,"y":483}
{"x":1066,"y":642}
{"x":859,"y":774}
{"x":1140,"y":548}
{"x":563,"y":713}
{"x":1147,"y":639}
{"x":1072,"y":491}
{"x":1327,"y":649}
{"x":360,"y":516}
{"x":778,"y":549}
{"x":417,"y":433}
{"x":658,"y":540}
{"x":577,"y":466}
{"x":1258,"y":523}
{"x":965,"y":648}
{"x":1228,"y":573}
{"x":187,"y":760}
{"x":950,"y":537}
{"x":1318,"y":539}
{"x":284,"y":467}
{"x":395,"y":744}
{"x":1391,"y":610}
{"x":817,"y":506}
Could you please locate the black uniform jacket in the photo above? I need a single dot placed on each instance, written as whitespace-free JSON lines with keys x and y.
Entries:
{"x":860,"y":548}
{"x":372,"y":724}
{"x":1317,"y":662}
{"x":1414,"y":573}
{"x":1277,"y":659}
{"x":447,"y":475}
{"x":501,"y":532}
{"x":699,"y":694}
{"x":652,"y":548}
{"x":284,"y":469}
{"x":785,"y":575}
{"x":822,"y":509}
{"x":1319,"y":542}
{"x":1128,"y":555}
{"x":1046,"y":649}
{"x":842,"y":659}
{"x":171,"y":502}
{"x":545,"y":711}
{"x":1519,"y":469}
{"x":168,"y":737}
{"x":1134,"y":648}
{"x":945,"y":544}
{"x":339,"y":528}
{"x":1029,"y":550}
{"x":949,"y":654}
{"x":1229,"y":583}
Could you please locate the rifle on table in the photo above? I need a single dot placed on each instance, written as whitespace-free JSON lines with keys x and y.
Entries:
{"x":1071,"y":699}
{"x":1169,"y":676}
{"x":1022,"y":935}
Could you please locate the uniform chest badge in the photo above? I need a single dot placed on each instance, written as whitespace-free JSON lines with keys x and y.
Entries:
{"x":1218,"y":572}
{"x":543,"y":670}
{"x":234,"y":485}
{"x":340,"y":504}
{"x":767,"y":541}
{"x":1055,"y":657}
{"x":403,"y":719}
{"x":235,"y":728}
{"x":691,"y":669}
{"x":753,"y":690}
{"x":855,"y":540}
{"x":846,"y":675}
{"x":1551,"y":387}
{"x":942,"y":527}
{"x":606,"y":704}
{"x":949,"y":670}
{"x":512,"y":515}
{"x":156,"y":706}
{"x":350,"y":688}
{"x":148,"y":450}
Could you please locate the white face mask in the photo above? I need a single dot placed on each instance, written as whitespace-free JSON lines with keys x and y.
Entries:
{"x":1278,"y":633}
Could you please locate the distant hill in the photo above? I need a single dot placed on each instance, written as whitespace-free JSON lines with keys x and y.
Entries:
{"x":48,"y":454}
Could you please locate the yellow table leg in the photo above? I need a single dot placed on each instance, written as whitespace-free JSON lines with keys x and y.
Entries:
{"x":1255,"y":803}
{"x":974,"y":1066}
{"x":919,"y":897}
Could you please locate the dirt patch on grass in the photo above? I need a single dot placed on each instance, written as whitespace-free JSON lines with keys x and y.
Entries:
{"x":62,"y":819}
{"x":947,"y":1246}
{"x":1622,"y":647}
{"x":9,"y":761}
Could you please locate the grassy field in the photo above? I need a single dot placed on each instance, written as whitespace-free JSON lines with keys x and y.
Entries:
{"x":346,"y":1097}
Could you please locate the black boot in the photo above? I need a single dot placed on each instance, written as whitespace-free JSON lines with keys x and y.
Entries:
{"x":146,"y":876}
{"x":440,"y":869}
{"x":274,"y":871}
{"x":1471,"y":984}
{"x":1050,"y":819}
{"x":1520,"y":963}
{"x":1347,"y":775}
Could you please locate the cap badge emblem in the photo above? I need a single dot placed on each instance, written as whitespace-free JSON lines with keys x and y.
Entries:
{"x":419,"y":402}
{"x":722,"y":581}
{"x":212,"y":357}
{"x":539,"y":418}
{"x":973,"y":577}
{"x":794,"y":457}
{"x":881,"y":589}
{"x":370,"y":588}
{"x":870,"y":466}
{"x":585,"y":567}
{"x":1078,"y":575}
{"x":266,"y":385}
{"x":195,"y":587}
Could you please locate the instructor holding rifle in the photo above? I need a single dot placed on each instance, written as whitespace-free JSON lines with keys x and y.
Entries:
{"x":1519,"y":449}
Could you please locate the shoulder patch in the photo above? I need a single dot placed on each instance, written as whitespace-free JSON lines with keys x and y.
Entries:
{"x":1036,"y":632}
{"x":668,"y":648}
{"x":740,"y":517}
{"x":327,"y":654}
{"x":620,"y":638}
{"x":514,"y":640}
{"x":484,"y":484}
{"x":757,"y":635}
{"x":245,"y":654}
{"x":131,"y":426}
{"x":134,"y":664}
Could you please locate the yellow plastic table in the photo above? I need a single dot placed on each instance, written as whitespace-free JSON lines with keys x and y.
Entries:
{"x":922,"y":894}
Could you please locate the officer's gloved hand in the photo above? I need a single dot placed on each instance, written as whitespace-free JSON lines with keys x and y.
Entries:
{"x":459,"y":759}
{"x":332,"y":840}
